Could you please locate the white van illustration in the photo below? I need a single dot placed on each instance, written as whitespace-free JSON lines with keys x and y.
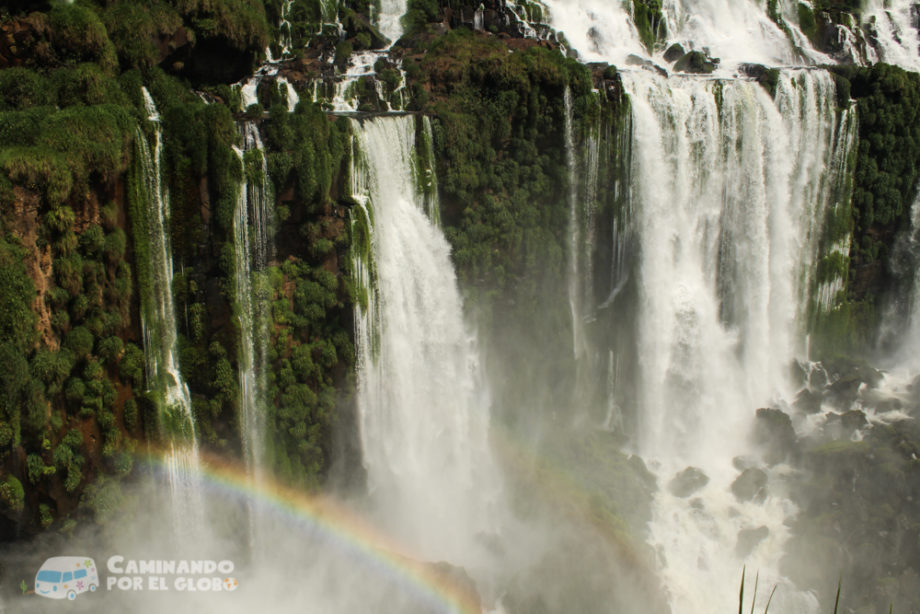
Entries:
{"x":66,"y":577}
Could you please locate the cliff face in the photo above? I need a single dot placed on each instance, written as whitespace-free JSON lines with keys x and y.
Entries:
{"x":76,"y":406}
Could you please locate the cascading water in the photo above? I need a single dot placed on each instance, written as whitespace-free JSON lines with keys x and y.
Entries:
{"x":362,"y":65}
{"x":423,"y":406}
{"x":732,"y":30}
{"x":583,"y":165}
{"x":161,"y":350}
{"x":575,"y":242}
{"x":730,"y":189}
{"x":729,"y":192}
{"x":389,"y":21}
{"x":252,"y":249}
{"x":894,"y":28}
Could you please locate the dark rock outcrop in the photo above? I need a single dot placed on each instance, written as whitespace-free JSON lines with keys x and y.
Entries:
{"x":687,"y":482}
{"x":696,"y":62}
{"x":748,"y":539}
{"x":808,"y":401}
{"x":674,"y":52}
{"x":751,"y":485}
{"x":774,"y":434}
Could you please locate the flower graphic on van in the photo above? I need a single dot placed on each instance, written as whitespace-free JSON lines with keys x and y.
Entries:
{"x":65,"y":577}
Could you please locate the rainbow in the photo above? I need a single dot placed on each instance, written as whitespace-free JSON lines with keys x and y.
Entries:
{"x":343,"y":528}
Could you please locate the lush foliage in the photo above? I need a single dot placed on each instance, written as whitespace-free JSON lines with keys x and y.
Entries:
{"x":650,"y":22}
{"x":311,"y":351}
{"x":884,"y":181}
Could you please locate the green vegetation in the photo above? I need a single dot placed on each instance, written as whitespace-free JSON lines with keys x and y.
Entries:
{"x":307,"y":150}
{"x":650,"y":22}
{"x":498,"y":123}
{"x":311,"y":350}
{"x":889,"y":150}
{"x":12,"y":496}
{"x":884,"y":180}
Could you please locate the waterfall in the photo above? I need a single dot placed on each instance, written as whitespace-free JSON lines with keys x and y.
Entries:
{"x":894,"y":29}
{"x":389,"y":20}
{"x":583,"y":164}
{"x":574,"y":266}
{"x":426,"y":176}
{"x":362,"y":65}
{"x":158,"y":321}
{"x":423,"y":405}
{"x":826,"y":294}
{"x":732,"y":30}
{"x":252,"y":249}
{"x":730,"y":190}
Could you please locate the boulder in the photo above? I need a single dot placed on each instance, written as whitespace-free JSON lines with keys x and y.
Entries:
{"x":845,"y":425}
{"x":751,"y":485}
{"x":754,"y":71}
{"x":847,"y":376}
{"x":674,"y":53}
{"x":641,"y":471}
{"x":766,"y":77}
{"x":748,"y":540}
{"x":687,"y":482}
{"x":774,"y":434}
{"x":696,"y":62}
{"x":743,"y":462}
{"x":635,"y":60}
{"x":808,"y":401}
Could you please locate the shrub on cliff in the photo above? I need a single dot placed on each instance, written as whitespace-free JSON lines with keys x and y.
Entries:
{"x":78,"y":35}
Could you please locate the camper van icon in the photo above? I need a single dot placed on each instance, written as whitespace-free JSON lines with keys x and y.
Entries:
{"x":65,"y":577}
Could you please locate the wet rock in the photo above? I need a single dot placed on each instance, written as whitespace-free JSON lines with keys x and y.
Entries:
{"x":754,"y":71}
{"x":846,"y":379}
{"x":751,"y":485}
{"x":635,"y":60}
{"x":845,"y":425}
{"x":854,"y":419}
{"x":773,"y":432}
{"x":808,"y":401}
{"x":641,"y":471}
{"x":696,"y":62}
{"x":687,"y":482}
{"x":674,"y":53}
{"x":748,"y":539}
{"x":798,"y":373}
{"x":461,"y":582}
{"x":888,"y":404}
{"x":766,"y":77}
{"x":817,"y":378}
{"x":742,"y":462}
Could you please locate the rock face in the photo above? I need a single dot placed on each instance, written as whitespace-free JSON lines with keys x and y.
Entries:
{"x":748,"y":540}
{"x":774,"y":434}
{"x":688,"y":482}
{"x":845,"y":425}
{"x":25,"y":41}
{"x":696,"y":62}
{"x":751,"y":485}
{"x":808,"y":401}
{"x":674,"y":53}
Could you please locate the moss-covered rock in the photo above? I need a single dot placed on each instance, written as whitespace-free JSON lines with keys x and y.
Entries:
{"x":696,"y":62}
